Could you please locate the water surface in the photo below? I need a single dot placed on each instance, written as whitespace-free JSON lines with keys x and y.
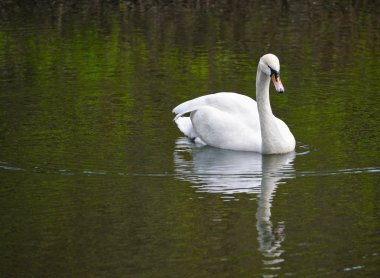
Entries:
{"x":97,"y":181}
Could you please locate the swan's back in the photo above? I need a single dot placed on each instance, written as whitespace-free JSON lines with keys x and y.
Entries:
{"x":242,"y":106}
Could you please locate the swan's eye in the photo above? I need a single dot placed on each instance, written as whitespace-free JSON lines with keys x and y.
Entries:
{"x":274,"y":72}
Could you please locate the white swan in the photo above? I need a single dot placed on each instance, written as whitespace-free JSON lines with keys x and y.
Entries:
{"x":236,"y":122}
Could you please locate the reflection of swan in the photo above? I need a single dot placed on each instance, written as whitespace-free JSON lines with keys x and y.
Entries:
{"x":227,"y":172}
{"x":235,"y":122}
{"x":270,"y":238}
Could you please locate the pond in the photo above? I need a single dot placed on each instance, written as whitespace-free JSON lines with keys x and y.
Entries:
{"x":97,"y":181}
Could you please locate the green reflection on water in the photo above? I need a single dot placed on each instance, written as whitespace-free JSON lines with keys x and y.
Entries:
{"x":89,"y":94}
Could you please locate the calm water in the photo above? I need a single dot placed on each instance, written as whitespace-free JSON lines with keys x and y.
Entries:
{"x":96,"y":180}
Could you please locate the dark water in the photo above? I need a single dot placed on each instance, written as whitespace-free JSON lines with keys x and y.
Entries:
{"x":96,"y":181}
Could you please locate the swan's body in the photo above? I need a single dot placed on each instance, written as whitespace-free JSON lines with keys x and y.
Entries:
{"x":237,"y":122}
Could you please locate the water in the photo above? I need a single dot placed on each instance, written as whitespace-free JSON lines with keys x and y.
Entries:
{"x":97,"y":181}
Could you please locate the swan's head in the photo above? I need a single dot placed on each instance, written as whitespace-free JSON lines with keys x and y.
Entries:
{"x":270,"y":65}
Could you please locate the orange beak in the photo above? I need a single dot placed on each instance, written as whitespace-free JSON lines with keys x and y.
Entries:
{"x":277,"y":83}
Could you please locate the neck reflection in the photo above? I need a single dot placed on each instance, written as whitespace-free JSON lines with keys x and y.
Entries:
{"x":270,"y":238}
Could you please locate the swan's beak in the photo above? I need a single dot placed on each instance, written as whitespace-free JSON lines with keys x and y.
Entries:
{"x":277,"y":83}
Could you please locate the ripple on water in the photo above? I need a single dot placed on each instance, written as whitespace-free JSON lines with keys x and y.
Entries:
{"x":210,"y":169}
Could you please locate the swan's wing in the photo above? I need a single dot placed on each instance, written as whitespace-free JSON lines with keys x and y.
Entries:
{"x":224,"y":101}
{"x":225,"y":130}
{"x":189,"y":106}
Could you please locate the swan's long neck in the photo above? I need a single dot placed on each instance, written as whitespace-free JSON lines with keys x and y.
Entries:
{"x":262,"y":93}
{"x":269,"y":131}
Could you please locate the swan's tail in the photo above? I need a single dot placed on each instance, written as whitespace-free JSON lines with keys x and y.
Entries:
{"x":184,"y":123}
{"x":186,"y":126}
